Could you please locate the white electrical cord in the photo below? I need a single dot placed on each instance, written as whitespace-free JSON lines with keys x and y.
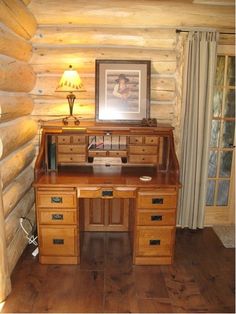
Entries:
{"x":31,"y":239}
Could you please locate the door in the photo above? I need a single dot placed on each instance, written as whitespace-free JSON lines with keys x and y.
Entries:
{"x":106,"y":214}
{"x":220,"y":192}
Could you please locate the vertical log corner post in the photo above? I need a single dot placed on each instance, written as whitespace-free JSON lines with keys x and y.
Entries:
{"x":5,"y":282}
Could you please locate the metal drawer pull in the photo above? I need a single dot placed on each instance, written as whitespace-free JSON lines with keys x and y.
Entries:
{"x":155,"y":242}
{"x":157,"y":201}
{"x":156,"y":218}
{"x":58,"y":241}
{"x":57,"y":217}
{"x":107,"y":193}
{"x":56,"y":199}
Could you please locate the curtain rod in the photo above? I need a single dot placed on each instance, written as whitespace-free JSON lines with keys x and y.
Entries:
{"x":194,"y":30}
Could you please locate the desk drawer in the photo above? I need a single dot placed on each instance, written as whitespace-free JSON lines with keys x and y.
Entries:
{"x":152,"y":200}
{"x":78,"y":139}
{"x":97,"y":153}
{"x":155,"y":217}
{"x":149,"y":150}
{"x":136,"y":139}
{"x":151,"y":140}
{"x":106,"y":192}
{"x":71,"y":158}
{"x":71,"y":149}
{"x":142,"y":159}
{"x":63,"y":139}
{"x":154,"y":241}
{"x":118,"y":153}
{"x":60,"y":241}
{"x":56,"y":199}
{"x":57,"y":217}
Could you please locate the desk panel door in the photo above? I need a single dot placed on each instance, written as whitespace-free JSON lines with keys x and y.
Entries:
{"x":106,"y":214}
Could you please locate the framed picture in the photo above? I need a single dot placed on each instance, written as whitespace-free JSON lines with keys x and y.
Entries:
{"x":122,"y":90}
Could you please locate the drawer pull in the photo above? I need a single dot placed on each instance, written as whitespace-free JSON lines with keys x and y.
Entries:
{"x":157,"y":201}
{"x":57,"y":217}
{"x":107,"y":193}
{"x":58,"y":241}
{"x":156,"y":218}
{"x":155,"y":242}
{"x":56,"y":199}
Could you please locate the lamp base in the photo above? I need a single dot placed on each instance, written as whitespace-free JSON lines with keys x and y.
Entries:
{"x":70,"y":120}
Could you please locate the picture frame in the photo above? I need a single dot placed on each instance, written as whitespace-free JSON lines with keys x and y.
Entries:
{"x":122,"y":90}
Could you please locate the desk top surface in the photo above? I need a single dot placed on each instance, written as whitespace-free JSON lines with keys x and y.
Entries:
{"x":106,"y":176}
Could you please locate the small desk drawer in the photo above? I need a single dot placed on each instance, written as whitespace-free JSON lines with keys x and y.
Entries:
{"x":151,"y":140}
{"x":78,"y":139}
{"x":97,"y":153}
{"x":154,"y":241}
{"x":143,"y":159}
{"x":71,"y":149}
{"x":118,"y":153}
{"x":63,"y":139}
{"x":152,"y":200}
{"x":57,"y":217}
{"x":71,"y":158}
{"x":56,"y":199}
{"x":149,"y":150}
{"x":60,"y":241}
{"x":155,"y":217}
{"x":136,"y":139}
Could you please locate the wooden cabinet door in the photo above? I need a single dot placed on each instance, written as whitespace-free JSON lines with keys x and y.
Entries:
{"x":106,"y":214}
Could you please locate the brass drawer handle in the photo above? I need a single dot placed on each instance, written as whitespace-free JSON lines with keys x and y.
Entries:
{"x":57,"y":217}
{"x":156,"y":218}
{"x":58,"y":241}
{"x":157,"y":201}
{"x":155,"y":242}
{"x":56,"y":199}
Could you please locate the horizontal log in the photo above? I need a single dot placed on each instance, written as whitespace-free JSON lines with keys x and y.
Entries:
{"x":227,"y":39}
{"x":85,"y":36}
{"x":15,"y":191}
{"x":11,"y":167}
{"x":14,"y":135}
{"x":16,"y":76}
{"x":14,"y":46}
{"x":18,"y":244}
{"x":70,"y":55}
{"x":21,"y":210}
{"x":126,"y":14}
{"x":16,"y":16}
{"x":14,"y":106}
{"x":88,"y":66}
{"x":46,"y":85}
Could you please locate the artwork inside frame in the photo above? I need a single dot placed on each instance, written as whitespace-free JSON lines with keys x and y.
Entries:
{"x":122,"y":90}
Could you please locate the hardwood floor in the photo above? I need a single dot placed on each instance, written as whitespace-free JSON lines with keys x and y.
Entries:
{"x":200,"y":280}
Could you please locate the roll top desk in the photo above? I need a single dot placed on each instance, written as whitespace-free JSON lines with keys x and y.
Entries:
{"x":106,"y":177}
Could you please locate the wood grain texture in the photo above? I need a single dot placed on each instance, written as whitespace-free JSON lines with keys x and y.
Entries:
{"x":15,"y":191}
{"x":107,"y":13}
{"x":10,"y":139}
{"x":14,"y":105}
{"x":12,"y":166}
{"x":18,"y":243}
{"x":5,"y":282}
{"x":14,"y":46}
{"x":21,"y":210}
{"x":113,"y":37}
{"x":16,"y":16}
{"x":200,"y":280}
{"x":16,"y":76}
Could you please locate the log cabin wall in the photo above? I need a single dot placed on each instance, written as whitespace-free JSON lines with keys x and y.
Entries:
{"x":17,"y":130}
{"x":85,"y":31}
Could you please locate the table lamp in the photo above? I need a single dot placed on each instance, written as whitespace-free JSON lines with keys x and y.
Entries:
{"x":70,"y":82}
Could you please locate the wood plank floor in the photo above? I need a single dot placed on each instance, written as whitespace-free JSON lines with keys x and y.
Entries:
{"x":200,"y":280}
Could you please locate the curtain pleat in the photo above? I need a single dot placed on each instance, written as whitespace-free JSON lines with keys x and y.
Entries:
{"x":197,"y":103}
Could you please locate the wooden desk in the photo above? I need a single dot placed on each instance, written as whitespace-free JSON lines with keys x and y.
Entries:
{"x":74,"y":195}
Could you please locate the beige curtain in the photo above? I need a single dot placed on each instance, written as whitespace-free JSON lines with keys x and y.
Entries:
{"x":200,"y":56}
